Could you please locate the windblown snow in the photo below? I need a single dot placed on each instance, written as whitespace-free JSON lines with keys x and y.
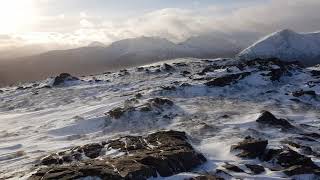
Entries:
{"x":286,"y":45}
{"x":36,"y":119}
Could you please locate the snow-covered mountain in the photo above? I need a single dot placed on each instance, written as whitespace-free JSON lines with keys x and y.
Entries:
{"x":286,"y":45}
{"x":237,"y":120}
{"x":97,"y":58}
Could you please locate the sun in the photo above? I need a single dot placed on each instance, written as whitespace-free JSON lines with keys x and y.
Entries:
{"x":16,"y":15}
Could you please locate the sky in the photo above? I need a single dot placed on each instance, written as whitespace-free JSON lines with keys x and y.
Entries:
{"x":74,"y":23}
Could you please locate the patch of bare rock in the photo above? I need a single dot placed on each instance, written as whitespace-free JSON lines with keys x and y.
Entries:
{"x":163,"y":153}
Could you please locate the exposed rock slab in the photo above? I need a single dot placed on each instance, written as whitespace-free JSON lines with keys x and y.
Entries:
{"x":165,"y":153}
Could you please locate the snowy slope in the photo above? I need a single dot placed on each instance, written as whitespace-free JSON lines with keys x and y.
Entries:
{"x":36,"y":120}
{"x":286,"y":45}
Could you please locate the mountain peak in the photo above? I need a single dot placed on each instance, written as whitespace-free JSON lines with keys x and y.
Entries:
{"x":286,"y":32}
{"x":286,"y":45}
{"x":96,"y":44}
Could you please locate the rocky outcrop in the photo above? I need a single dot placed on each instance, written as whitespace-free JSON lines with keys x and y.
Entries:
{"x":62,"y":78}
{"x":255,"y":169}
{"x":155,"y":104}
{"x":167,"y":67}
{"x":165,"y":153}
{"x":267,"y":118}
{"x":302,"y":93}
{"x":315,"y":72}
{"x":292,"y":162}
{"x":250,"y":147}
{"x":285,"y":159}
{"x":233,"y":168}
{"x":227,"y":79}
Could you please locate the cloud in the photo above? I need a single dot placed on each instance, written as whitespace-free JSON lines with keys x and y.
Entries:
{"x":179,"y":24}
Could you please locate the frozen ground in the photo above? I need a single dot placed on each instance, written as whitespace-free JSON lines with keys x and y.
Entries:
{"x":37,"y":121}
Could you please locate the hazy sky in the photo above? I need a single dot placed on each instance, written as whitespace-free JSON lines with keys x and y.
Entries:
{"x":78,"y":22}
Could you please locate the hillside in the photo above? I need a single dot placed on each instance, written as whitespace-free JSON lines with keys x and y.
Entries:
{"x":286,"y":45}
{"x":97,"y":58}
{"x":218,"y":118}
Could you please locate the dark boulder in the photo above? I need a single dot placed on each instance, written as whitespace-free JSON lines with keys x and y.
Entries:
{"x":138,"y":96}
{"x":302,"y":93}
{"x":233,"y":168}
{"x":140,"y":69}
{"x":167,"y":67}
{"x":270,"y":153}
{"x":116,"y":113}
{"x":276,"y":74}
{"x":62,"y":78}
{"x":268,"y":118}
{"x":307,"y":150}
{"x":160,"y":102}
{"x":291,"y":162}
{"x":169,"y":88}
{"x":206,"y":177}
{"x":315,"y":73}
{"x":185,"y":73}
{"x":92,"y":150}
{"x":288,"y":158}
{"x":301,"y":169}
{"x":23,"y":88}
{"x":250,"y":147}
{"x":255,"y":169}
{"x":227,"y":79}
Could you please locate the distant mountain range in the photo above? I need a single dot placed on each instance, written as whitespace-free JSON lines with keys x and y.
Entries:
{"x":97,"y":57}
{"x":286,"y":45}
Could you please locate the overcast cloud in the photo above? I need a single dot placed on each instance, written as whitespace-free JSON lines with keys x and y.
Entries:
{"x":176,"y":24}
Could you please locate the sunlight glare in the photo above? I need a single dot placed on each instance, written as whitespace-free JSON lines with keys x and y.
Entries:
{"x":16,"y":15}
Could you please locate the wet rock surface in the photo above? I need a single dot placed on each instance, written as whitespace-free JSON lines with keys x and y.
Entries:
{"x":165,"y":153}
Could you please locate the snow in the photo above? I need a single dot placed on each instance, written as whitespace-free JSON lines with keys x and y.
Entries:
{"x":286,"y":45}
{"x":35,"y":125}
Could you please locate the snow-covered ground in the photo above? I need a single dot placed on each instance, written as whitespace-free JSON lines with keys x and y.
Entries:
{"x":37,"y":121}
